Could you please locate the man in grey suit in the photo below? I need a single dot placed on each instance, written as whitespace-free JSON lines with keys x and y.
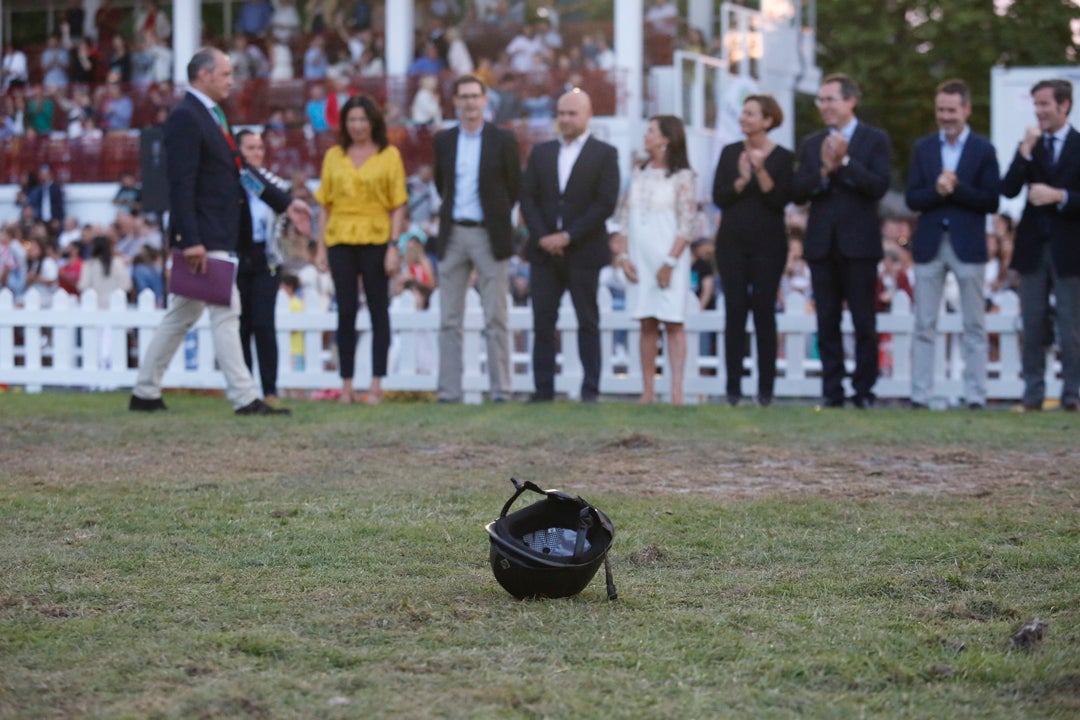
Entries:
{"x":477,"y":172}
{"x":209,"y":217}
{"x":953,"y":183}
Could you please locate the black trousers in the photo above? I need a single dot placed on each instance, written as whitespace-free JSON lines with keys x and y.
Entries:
{"x":367,"y":262}
{"x":258,"y":297}
{"x":548,"y":281}
{"x":750,"y":281}
{"x":834,"y":281}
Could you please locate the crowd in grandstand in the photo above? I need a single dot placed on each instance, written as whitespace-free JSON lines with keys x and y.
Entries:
{"x":82,"y":87}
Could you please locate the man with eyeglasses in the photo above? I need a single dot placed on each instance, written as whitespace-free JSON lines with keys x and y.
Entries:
{"x":1047,"y":251}
{"x":477,"y":173}
{"x":843,"y":171}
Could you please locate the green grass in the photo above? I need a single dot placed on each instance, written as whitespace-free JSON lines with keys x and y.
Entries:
{"x":787,"y":563}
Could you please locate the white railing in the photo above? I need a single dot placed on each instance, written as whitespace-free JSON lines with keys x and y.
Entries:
{"x":60,"y":347}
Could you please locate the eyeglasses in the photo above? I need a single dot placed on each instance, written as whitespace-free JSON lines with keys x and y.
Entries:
{"x":819,"y":101}
{"x":469,"y":96}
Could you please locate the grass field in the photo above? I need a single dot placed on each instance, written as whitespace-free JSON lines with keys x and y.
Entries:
{"x":779,"y":563}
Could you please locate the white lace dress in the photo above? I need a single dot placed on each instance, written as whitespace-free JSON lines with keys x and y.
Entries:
{"x":655,"y":210}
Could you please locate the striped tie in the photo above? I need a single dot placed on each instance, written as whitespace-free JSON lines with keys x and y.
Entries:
{"x":220,"y":115}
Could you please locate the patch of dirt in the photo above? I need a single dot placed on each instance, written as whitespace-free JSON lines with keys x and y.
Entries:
{"x":636,"y":463}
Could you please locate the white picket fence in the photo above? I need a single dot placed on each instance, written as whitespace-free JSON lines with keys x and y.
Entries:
{"x":59,"y":347}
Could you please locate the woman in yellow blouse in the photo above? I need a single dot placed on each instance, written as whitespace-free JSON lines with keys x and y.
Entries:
{"x":363,"y":191}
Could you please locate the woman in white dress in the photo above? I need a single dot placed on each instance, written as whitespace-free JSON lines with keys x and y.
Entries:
{"x":657,"y":216}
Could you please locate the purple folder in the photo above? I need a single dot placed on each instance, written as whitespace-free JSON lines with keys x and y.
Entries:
{"x":214,"y":286}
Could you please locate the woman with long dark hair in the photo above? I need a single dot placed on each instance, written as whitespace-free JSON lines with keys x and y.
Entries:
{"x":657,"y":216}
{"x":104,"y":273}
{"x":752,"y":186}
{"x":362,"y":189}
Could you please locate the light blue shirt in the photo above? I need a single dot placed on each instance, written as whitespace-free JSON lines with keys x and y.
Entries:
{"x":262,"y":219}
{"x":848,"y":130}
{"x":951,"y":152}
{"x":467,"y":177}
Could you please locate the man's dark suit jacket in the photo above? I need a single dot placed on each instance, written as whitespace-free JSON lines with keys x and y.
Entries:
{"x":500,"y":176}
{"x":845,"y":206}
{"x":207,"y":204}
{"x":963,"y":213}
{"x":592,"y":193}
{"x":56,"y":200}
{"x":1041,"y":224}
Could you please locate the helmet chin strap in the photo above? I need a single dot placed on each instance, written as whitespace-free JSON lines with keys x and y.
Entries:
{"x":612,"y":593}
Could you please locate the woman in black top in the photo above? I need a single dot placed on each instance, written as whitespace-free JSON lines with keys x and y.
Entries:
{"x":752,"y":186}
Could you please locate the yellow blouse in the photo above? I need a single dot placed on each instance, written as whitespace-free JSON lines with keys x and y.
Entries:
{"x":359,"y":200}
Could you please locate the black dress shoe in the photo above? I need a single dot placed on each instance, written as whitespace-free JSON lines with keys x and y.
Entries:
{"x":863,"y":402}
{"x":258,"y":407}
{"x":834,"y":403}
{"x":764,"y":400}
{"x":975,"y":406}
{"x":733,"y":400}
{"x":538,"y":398}
{"x":1071,"y":406}
{"x":138,"y":404}
{"x":919,"y":406}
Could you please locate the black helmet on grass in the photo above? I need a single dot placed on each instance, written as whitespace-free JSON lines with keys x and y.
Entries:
{"x":552,"y":548}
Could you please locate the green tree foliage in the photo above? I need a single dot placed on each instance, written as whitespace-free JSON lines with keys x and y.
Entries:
{"x":899,"y":50}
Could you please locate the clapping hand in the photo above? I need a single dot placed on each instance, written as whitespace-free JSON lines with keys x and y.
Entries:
{"x":830,"y":160}
{"x":757,"y":158}
{"x":946,"y":183}
{"x":746,"y":166}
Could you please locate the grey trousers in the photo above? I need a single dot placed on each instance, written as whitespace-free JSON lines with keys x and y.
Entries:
{"x":975,"y":348}
{"x":1035,"y":289}
{"x":184,"y":312}
{"x":470,"y":249}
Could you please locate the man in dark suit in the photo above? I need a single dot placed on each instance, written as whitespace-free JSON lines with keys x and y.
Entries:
{"x":953,"y":182}
{"x":570,"y":188}
{"x":47,"y":200}
{"x":477,"y":173}
{"x":843,"y":171}
{"x":209,"y":218}
{"x":1047,"y":251}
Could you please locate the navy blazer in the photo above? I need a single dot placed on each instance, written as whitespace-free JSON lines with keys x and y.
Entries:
{"x":963,"y":212}
{"x":845,"y":205}
{"x":500,"y":176}
{"x":56,"y":200}
{"x":591,"y":196}
{"x":207,"y":204}
{"x":1039,"y":225}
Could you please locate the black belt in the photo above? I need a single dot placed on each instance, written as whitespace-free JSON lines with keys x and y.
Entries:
{"x":469,"y":223}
